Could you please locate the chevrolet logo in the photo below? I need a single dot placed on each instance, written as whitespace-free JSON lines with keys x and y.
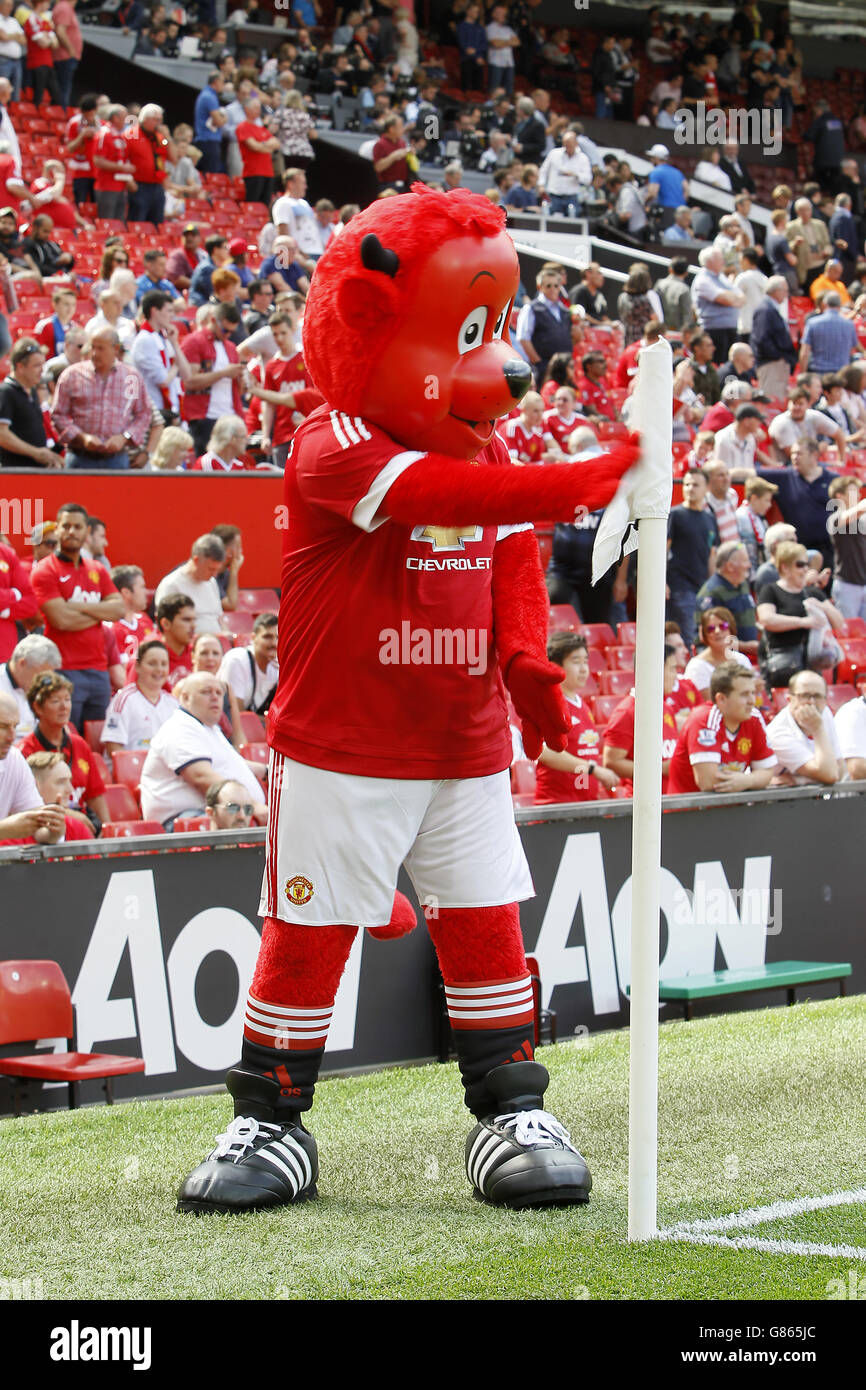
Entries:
{"x":447,"y":537}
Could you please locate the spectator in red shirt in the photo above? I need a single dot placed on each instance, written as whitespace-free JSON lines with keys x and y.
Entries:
{"x":81,"y":133}
{"x":47,"y":194}
{"x":185,"y":259}
{"x":41,"y":46}
{"x":389,"y":155}
{"x":561,"y":420}
{"x":147,"y":151}
{"x":228,"y":440}
{"x":17,"y":600}
{"x":287,"y":393}
{"x":593,"y":396}
{"x":113,"y":169}
{"x":175,"y":618}
{"x":619,"y":733}
{"x":67,"y":56}
{"x":257,"y":145}
{"x":76,"y":598}
{"x":53,"y":777}
{"x":626,"y":366}
{"x":212,"y":389}
{"x":577,"y":773}
{"x":51,"y":331}
{"x":723,"y":746}
{"x":135,"y":626}
{"x":50,"y":698}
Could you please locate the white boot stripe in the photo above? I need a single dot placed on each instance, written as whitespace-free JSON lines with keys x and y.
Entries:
{"x":284,"y":1152}
{"x":480,"y":1141}
{"x":299,"y":1152}
{"x":498,"y":1152}
{"x":277,"y":1162}
{"x":482,"y":1148}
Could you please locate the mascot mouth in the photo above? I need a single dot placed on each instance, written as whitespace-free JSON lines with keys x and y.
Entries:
{"x":483,"y":428}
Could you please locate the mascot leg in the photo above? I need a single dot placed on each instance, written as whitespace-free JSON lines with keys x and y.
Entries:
{"x":266,"y":1158}
{"x":518,"y":1155}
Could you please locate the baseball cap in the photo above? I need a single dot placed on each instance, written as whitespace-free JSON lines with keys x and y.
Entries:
{"x":237,"y":246}
{"x":658,"y":152}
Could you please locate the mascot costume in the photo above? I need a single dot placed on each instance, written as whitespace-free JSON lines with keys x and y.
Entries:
{"x":407,"y":521}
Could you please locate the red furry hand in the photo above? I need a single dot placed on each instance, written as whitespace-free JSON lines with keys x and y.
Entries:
{"x":403,"y":920}
{"x":534,"y":688}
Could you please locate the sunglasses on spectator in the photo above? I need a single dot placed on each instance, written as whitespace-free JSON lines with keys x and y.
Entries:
{"x":718,"y":627}
{"x":234,"y":806}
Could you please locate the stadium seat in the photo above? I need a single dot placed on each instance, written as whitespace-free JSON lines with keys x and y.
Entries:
{"x":523,"y":776}
{"x":258,"y":601}
{"x":854,"y":627}
{"x":35,"y":1003}
{"x":620,"y":658}
{"x":839,"y":695}
{"x":854,"y":662}
{"x":252,"y":726}
{"x":127,"y":764}
{"x":255,"y":752}
{"x":617,"y":683}
{"x":597,"y":660}
{"x":562,"y":618}
{"x":101,"y":765}
{"x":604,"y":707}
{"x":124,"y":829}
{"x":239,"y":623}
{"x":598,"y":634}
{"x":121,"y":803}
{"x":185,"y":825}
{"x":93,"y":732}
{"x":626,"y":634}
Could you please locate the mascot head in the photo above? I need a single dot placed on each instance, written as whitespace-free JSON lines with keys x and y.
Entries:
{"x":407,"y":317}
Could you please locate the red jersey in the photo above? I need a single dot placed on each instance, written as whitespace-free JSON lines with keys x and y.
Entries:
{"x":381,"y":599}
{"x":79,"y":163}
{"x":179,"y":666}
{"x":210,"y":463}
{"x":8,"y":171}
{"x":627,"y":364}
{"x":147,"y":154}
{"x":37,"y":56}
{"x":704,"y":738}
{"x":61,"y":213}
{"x":524,"y":446}
{"x":86,"y":582}
{"x":110,"y":144}
{"x":583,"y":741}
{"x":683,"y":696}
{"x":17,"y":600}
{"x":256,"y":163}
{"x":129,"y":633}
{"x":87,"y":781}
{"x":288,"y":375}
{"x":620,"y":734}
{"x":560,"y":429}
{"x":594,"y":395}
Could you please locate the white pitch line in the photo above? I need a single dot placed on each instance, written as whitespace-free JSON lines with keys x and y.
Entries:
{"x":770,"y":1247}
{"x":757,"y":1216}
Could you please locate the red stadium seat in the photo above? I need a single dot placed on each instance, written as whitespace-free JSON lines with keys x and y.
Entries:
{"x":124,"y":829}
{"x":121,"y":803}
{"x":258,"y":601}
{"x":854,"y":627}
{"x":127,"y":764}
{"x":523,"y":776}
{"x":854,"y":662}
{"x":839,"y":695}
{"x":617,"y":683}
{"x":597,"y":660}
{"x":604,"y":708}
{"x":185,"y":825}
{"x":620,"y":658}
{"x":562,"y":618}
{"x":252,"y":726}
{"x":598,"y":634}
{"x":239,"y":623}
{"x":93,"y":732}
{"x":611,"y":429}
{"x":626,"y":634}
{"x":255,"y":752}
{"x":35,"y":1003}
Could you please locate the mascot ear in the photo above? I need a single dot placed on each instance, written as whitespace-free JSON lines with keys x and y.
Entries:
{"x":366,"y":301}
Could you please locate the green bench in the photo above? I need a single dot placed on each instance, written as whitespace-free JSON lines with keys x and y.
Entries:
{"x":781,"y":974}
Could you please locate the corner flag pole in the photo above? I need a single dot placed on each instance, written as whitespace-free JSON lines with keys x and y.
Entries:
{"x":653,"y":418}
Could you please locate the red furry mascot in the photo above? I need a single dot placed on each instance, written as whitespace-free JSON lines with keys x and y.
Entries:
{"x":408,"y":528}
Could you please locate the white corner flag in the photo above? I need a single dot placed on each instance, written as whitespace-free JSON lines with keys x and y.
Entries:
{"x":645,"y":496}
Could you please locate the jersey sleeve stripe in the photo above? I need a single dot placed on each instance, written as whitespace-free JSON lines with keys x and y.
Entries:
{"x":503,"y":531}
{"x":335,"y":425}
{"x":350,"y":430}
{"x":364,"y":515}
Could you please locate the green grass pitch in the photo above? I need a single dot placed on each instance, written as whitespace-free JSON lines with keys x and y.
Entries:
{"x":754,"y":1108}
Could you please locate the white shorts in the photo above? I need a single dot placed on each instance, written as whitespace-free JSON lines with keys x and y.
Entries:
{"x":336,"y":841}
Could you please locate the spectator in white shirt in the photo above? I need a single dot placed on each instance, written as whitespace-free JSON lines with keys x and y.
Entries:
{"x":566,"y":177}
{"x":851,"y":729}
{"x":228,"y":806}
{"x":33,"y":655}
{"x":736,"y":444}
{"x":22,"y":813}
{"x":157,"y":355}
{"x":252,"y":671}
{"x":803,"y":735}
{"x":501,"y":43}
{"x":799,"y":422}
{"x":13,"y":46}
{"x":752,"y":284}
{"x":190,"y":753}
{"x":293,"y":217}
{"x":137,"y":712}
{"x":197,"y":579}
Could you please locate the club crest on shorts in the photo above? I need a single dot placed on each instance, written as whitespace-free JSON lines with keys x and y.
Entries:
{"x":299,"y":890}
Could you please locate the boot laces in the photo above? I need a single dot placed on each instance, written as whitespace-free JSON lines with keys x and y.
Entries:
{"x":535,"y":1128}
{"x":242,"y":1135}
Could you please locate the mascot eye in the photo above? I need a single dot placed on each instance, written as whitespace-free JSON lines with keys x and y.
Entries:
{"x":500,"y":323}
{"x":472,"y":330}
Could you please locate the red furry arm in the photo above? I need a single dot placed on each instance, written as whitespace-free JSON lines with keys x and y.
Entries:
{"x":455,"y":493}
{"x":520,"y":608}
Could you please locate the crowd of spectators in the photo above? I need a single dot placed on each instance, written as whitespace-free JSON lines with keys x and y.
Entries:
{"x":163,"y":342}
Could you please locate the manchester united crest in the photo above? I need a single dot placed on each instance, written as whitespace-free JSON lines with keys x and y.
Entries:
{"x":299,"y":890}
{"x":93,"y":576}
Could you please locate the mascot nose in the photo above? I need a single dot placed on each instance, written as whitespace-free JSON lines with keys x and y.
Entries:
{"x":518,"y":375}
